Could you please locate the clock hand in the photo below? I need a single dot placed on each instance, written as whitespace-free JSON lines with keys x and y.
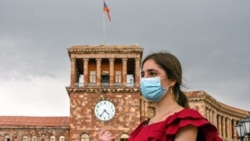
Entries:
{"x":106,"y":111}
{"x":102,"y":113}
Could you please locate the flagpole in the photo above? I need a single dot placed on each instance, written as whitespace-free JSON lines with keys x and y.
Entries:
{"x":103,"y":26}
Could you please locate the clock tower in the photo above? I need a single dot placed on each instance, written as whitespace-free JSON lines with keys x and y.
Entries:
{"x":104,"y":91}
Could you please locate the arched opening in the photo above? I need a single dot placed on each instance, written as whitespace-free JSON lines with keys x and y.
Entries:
{"x":124,"y":137}
{"x":84,"y":137}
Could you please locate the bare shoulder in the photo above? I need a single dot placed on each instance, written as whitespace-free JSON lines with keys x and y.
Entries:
{"x":187,"y":133}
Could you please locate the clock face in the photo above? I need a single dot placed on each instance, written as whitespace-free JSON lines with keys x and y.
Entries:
{"x":105,"y":110}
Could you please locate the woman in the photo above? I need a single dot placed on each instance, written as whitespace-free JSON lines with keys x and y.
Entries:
{"x":174,"y":120}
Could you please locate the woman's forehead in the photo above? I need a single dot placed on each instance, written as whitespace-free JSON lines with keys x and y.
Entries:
{"x":150,"y":65}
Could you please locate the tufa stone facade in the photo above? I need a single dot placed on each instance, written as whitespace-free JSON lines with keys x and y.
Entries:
{"x":110,"y":73}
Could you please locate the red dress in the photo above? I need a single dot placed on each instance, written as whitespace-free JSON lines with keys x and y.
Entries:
{"x":167,"y":129}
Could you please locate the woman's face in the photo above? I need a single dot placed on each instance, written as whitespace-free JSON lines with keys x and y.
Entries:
{"x":151,"y":69}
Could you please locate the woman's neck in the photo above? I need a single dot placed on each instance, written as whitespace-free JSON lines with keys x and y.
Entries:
{"x":164,"y":110}
{"x":166,"y":104}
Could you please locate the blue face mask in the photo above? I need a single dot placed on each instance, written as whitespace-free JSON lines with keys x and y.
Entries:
{"x":151,"y":89}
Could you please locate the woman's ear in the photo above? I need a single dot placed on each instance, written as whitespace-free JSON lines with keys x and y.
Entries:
{"x":172,"y":82}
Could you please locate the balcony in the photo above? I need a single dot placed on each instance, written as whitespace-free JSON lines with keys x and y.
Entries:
{"x":104,"y":85}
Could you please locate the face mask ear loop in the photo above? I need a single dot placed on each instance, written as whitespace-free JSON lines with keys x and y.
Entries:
{"x":164,"y":77}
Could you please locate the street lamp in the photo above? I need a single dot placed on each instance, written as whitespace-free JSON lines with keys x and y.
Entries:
{"x":240,"y":130}
{"x":247,"y":127}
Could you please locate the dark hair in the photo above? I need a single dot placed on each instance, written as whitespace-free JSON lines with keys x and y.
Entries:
{"x":172,"y":67}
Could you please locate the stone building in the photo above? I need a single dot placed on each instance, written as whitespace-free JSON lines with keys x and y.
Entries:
{"x":224,"y":117}
{"x":26,"y":128}
{"x":104,"y":92}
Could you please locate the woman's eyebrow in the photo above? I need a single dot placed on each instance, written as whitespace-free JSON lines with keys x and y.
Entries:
{"x":150,"y":70}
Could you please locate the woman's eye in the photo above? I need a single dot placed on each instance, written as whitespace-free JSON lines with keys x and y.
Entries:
{"x":142,"y":74}
{"x":153,"y":74}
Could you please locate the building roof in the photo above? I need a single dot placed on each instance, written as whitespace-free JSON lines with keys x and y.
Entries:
{"x":105,"y":49}
{"x":194,"y":96}
{"x":33,"y":121}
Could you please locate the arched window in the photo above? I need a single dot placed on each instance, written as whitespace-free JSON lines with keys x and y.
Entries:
{"x":43,"y":138}
{"x":84,"y":137}
{"x":34,"y":138}
{"x":124,"y":137}
{"x":25,"y":138}
{"x":61,"y":138}
{"x":52,"y":138}
{"x":151,"y":112}
{"x":6,"y":138}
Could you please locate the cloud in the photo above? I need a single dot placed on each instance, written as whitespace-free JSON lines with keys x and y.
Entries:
{"x":38,"y":97}
{"x":211,"y":39}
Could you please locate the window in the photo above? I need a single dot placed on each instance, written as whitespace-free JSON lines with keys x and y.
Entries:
{"x":61,"y":138}
{"x":52,"y":138}
{"x":92,"y":77}
{"x":151,"y":112}
{"x":84,"y":137}
{"x":124,"y":137}
{"x":118,"y":77}
{"x":25,"y":138}
{"x":43,"y":138}
{"x":105,"y":78}
{"x":6,"y":138}
{"x":34,"y":138}
{"x":130,"y":80}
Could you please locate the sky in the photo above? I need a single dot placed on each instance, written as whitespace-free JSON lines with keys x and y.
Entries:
{"x":211,"y":38}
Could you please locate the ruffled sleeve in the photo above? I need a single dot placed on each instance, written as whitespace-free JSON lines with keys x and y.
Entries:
{"x":166,"y":130}
{"x":206,"y":131}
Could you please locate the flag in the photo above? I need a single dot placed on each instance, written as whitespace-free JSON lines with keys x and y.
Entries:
{"x":106,"y":9}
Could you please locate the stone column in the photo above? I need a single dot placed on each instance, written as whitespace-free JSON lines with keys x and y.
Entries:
{"x":111,"y":72}
{"x":223,"y":126}
{"x":85,"y":72}
{"x":207,"y":114}
{"x":211,"y":115}
{"x":124,"y":72}
{"x":219,"y":125}
{"x":98,"y":72}
{"x":234,"y":129}
{"x":137,"y":72}
{"x":73,"y":71}
{"x":215,"y":119}
{"x":229,"y":127}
